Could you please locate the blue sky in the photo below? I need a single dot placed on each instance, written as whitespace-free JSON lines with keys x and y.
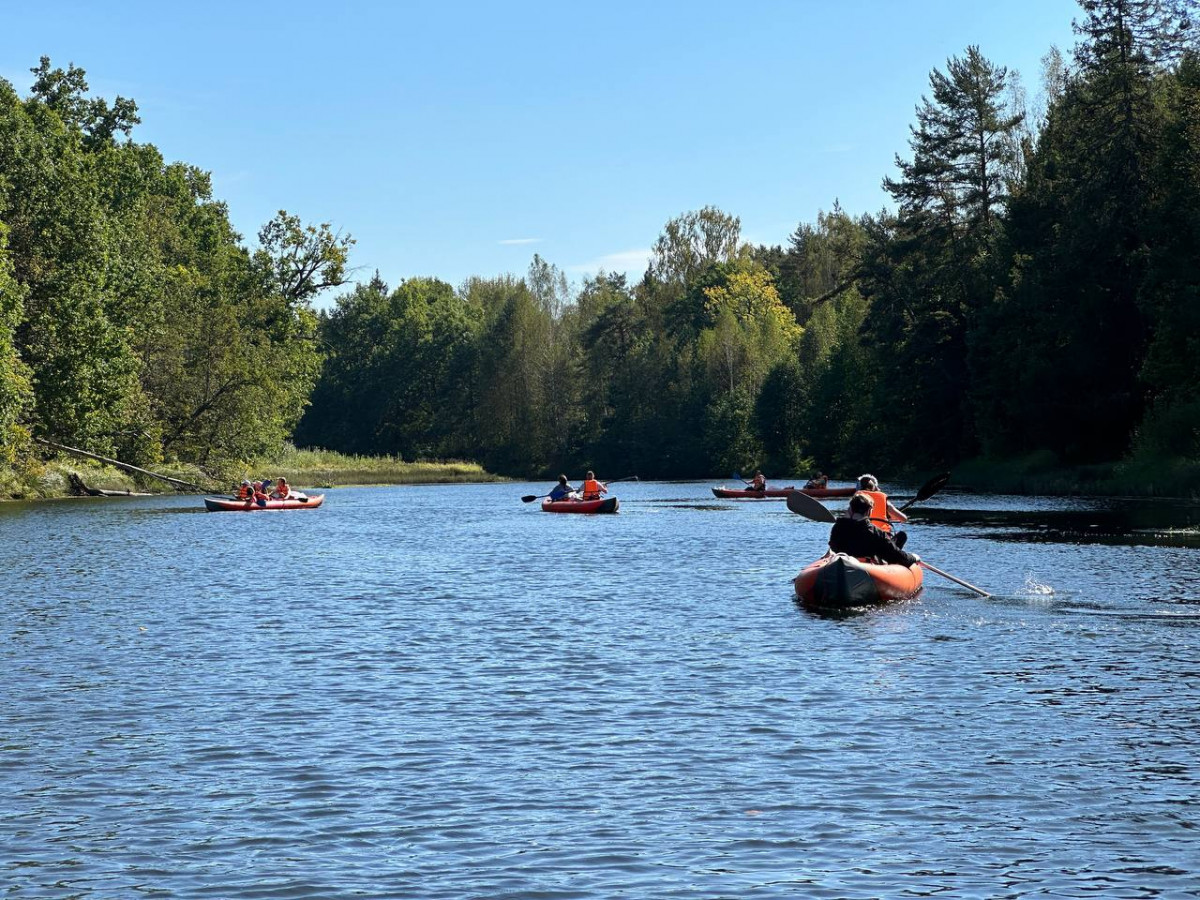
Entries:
{"x":458,"y":139}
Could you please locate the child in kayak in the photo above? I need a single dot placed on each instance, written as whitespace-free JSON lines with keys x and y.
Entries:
{"x":883,"y":514}
{"x":562,"y":490}
{"x":854,"y":535}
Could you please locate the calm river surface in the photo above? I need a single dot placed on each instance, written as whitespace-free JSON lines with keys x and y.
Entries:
{"x":441,"y":692}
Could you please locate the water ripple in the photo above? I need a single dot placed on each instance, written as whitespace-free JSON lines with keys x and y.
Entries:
{"x":441,"y":693}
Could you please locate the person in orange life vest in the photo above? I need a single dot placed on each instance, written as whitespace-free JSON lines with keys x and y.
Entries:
{"x":245,"y":491}
{"x":262,"y":490}
{"x":282,"y":491}
{"x":592,"y":489}
{"x":854,"y":535}
{"x":759,"y":483}
{"x":883,"y":514}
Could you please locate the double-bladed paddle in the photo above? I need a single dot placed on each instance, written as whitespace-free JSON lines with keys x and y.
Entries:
{"x":529,"y":498}
{"x":928,"y":489}
{"x":811,"y":508}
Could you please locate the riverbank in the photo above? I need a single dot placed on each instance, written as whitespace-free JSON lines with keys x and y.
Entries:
{"x":325,"y":468}
{"x":56,"y":477}
{"x":1039,"y":475}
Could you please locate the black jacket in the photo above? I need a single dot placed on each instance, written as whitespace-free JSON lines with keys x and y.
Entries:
{"x":858,"y":537}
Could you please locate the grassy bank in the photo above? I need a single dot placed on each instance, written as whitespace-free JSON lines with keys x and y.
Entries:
{"x":325,"y":468}
{"x":46,"y":479}
{"x":49,"y":479}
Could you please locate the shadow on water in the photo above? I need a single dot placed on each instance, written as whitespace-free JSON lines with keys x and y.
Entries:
{"x":1117,"y":523}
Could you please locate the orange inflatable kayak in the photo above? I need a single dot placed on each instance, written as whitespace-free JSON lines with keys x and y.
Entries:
{"x":779,"y":493}
{"x":836,"y":581}
{"x":224,"y":504}
{"x":603,"y":505}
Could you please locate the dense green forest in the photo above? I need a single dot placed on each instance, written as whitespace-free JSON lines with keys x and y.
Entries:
{"x":1031,"y":294}
{"x":133,"y":321}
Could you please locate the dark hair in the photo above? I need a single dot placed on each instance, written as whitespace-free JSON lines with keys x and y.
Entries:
{"x":562,"y":479}
{"x":861,"y":504}
{"x":591,"y":474}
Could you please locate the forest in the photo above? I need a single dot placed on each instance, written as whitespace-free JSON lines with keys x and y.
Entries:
{"x":1031,"y":294}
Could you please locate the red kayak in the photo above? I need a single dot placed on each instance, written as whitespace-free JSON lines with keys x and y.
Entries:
{"x":836,"y":581}
{"x":224,"y":504}
{"x":603,"y":505}
{"x":780,"y":493}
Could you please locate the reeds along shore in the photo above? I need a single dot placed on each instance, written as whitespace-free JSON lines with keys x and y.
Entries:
{"x":59,"y":476}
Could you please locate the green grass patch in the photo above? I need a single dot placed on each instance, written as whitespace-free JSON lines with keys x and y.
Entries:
{"x":326,"y":468}
{"x":41,"y":480}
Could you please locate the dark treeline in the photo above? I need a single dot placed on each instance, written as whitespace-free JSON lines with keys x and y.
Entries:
{"x":1034,"y":292}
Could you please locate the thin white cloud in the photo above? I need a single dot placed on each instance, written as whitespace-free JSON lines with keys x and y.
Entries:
{"x":516,"y":242}
{"x":624,"y":261}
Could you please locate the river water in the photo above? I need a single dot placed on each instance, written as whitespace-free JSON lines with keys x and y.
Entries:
{"x":441,"y":692}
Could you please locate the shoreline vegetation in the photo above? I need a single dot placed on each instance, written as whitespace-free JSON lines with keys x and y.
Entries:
{"x":1023,"y":315}
{"x":321,"y":469}
{"x":312,"y":469}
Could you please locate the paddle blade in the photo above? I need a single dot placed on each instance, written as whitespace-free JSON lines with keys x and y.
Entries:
{"x":809,"y":507}
{"x":529,"y":498}
{"x":928,"y":489}
{"x":932,"y":486}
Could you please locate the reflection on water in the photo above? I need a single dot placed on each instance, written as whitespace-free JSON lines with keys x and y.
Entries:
{"x":1152,"y":523}
{"x":441,"y":692}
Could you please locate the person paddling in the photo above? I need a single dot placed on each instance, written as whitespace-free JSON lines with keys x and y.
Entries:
{"x":562,"y":490}
{"x":883,"y":514}
{"x":855,"y":535}
{"x":262,"y":491}
{"x":592,"y":489}
{"x":246,"y":490}
{"x":759,"y":482}
{"x":820,"y":481}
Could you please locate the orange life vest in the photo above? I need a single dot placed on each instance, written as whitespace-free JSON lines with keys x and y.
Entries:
{"x":592,"y":489}
{"x":245,"y":492}
{"x":879,"y":515}
{"x":282,"y":491}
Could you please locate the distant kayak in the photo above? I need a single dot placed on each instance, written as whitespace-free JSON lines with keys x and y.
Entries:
{"x":779,"y":493}
{"x":224,"y":504}
{"x":603,"y":505}
{"x":836,"y":581}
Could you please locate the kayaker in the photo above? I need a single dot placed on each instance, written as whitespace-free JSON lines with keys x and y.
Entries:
{"x":820,"y":481}
{"x":282,"y":491}
{"x":854,"y":535}
{"x":883,"y":513}
{"x":592,"y":489}
{"x":261,"y":492}
{"x":562,"y":490}
{"x":759,"y":483}
{"x":246,"y":490}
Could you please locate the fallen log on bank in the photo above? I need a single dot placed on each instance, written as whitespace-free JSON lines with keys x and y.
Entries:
{"x":176,"y":483}
{"x":80,"y":489}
